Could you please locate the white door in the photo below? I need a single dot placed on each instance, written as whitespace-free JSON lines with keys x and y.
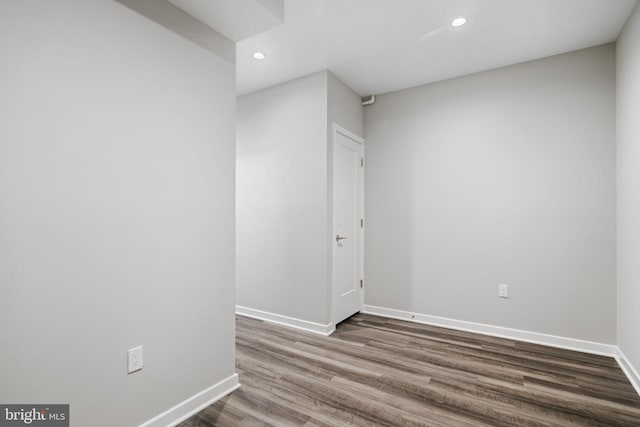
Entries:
{"x":348,"y":223}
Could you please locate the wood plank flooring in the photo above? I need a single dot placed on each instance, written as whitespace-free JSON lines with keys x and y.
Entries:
{"x":382,"y":372}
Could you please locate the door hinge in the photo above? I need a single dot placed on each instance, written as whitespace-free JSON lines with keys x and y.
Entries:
{"x":361,"y":284}
{"x":362,"y":162}
{"x":361,"y":222}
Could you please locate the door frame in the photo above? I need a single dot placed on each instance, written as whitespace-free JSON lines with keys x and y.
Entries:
{"x":335,"y":130}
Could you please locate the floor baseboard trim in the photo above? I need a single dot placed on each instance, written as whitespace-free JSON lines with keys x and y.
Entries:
{"x":629,"y":370}
{"x":498,"y":331}
{"x":305,"y":325}
{"x":194,"y":404}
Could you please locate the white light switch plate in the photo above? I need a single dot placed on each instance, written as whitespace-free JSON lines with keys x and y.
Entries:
{"x":135,"y":362}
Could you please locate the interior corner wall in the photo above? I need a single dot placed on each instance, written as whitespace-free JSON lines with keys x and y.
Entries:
{"x":117,"y":211}
{"x":344,"y":107}
{"x":281,"y":200}
{"x":628,"y":156}
{"x":502,"y":177}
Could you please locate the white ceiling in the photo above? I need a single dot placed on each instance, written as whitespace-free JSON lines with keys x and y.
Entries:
{"x":235,"y":19}
{"x":378,"y":46}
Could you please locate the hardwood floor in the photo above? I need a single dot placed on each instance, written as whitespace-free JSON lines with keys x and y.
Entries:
{"x":374,"y":371}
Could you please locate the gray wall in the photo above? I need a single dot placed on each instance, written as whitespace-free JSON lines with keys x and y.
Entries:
{"x":344,"y":106}
{"x":506,"y":176}
{"x":116,"y":211}
{"x":628,"y":127}
{"x":283,"y":194}
{"x":281,"y":199}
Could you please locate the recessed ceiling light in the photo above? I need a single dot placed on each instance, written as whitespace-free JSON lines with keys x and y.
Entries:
{"x":258,"y":55}
{"x":459,"y":21}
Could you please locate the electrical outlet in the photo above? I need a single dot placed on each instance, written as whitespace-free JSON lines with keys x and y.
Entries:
{"x":503,"y":291}
{"x":135,"y":360}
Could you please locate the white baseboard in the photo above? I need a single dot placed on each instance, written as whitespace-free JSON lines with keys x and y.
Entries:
{"x":316,"y":328}
{"x":194,"y":404}
{"x":519,"y":335}
{"x":498,"y":331}
{"x":629,"y":370}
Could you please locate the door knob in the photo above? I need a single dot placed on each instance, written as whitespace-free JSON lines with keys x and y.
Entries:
{"x":339,"y":237}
